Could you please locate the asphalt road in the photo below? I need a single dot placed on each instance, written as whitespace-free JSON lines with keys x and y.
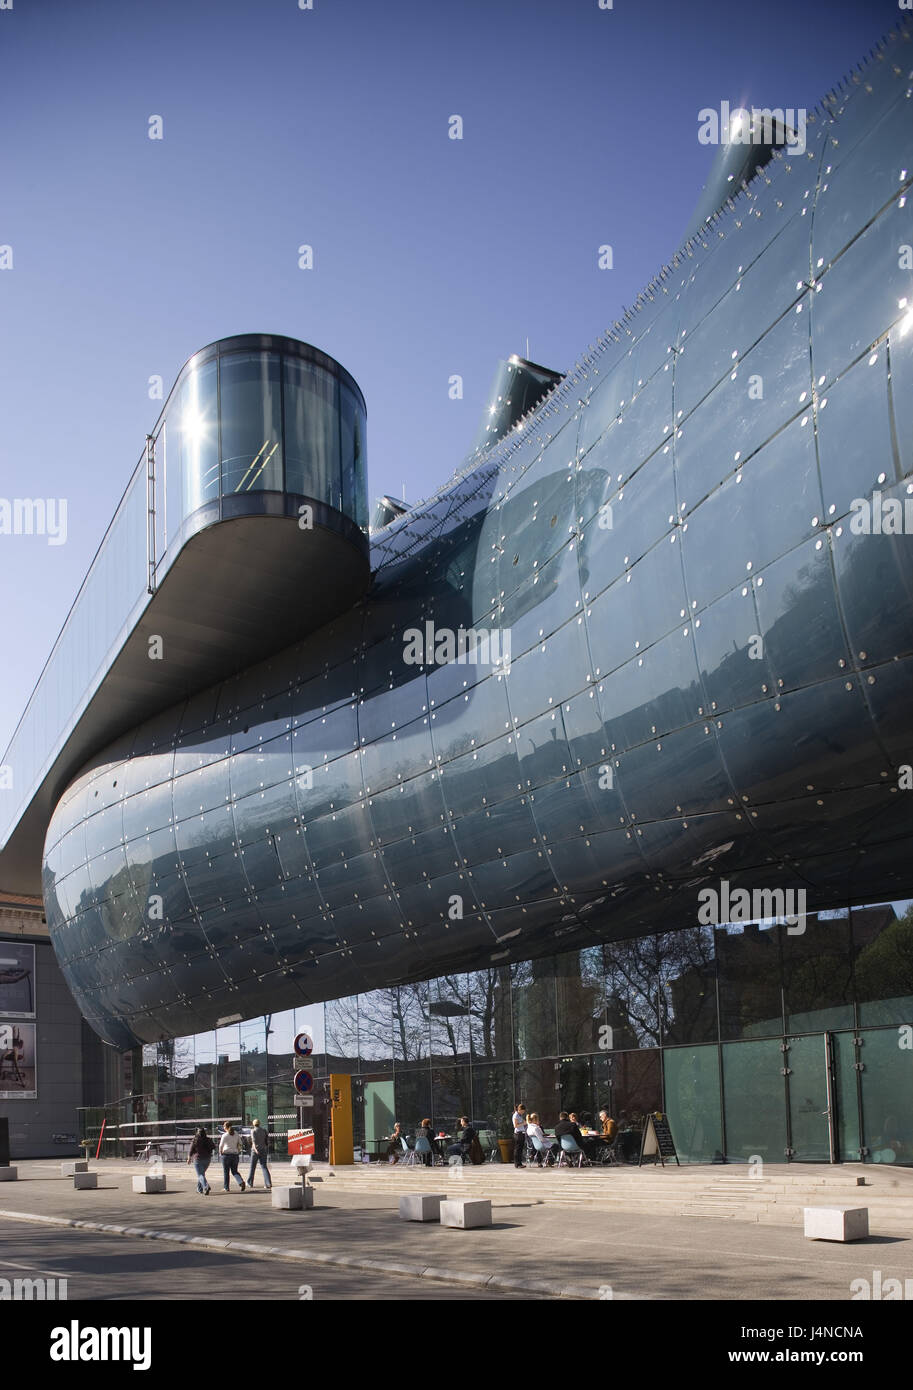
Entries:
{"x":115,"y":1268}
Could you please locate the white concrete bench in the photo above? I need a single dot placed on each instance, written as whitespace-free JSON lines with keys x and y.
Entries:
{"x":85,"y":1181}
{"x":421,"y":1206}
{"x":75,"y":1165}
{"x":148,"y":1183}
{"x":8,"y":1174}
{"x":836,"y":1223}
{"x":466,"y":1212}
{"x":293,"y":1198}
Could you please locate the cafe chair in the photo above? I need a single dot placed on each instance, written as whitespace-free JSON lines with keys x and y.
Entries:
{"x":609,"y":1155}
{"x":412,"y":1159}
{"x":570,"y":1149}
{"x":539,"y":1150}
{"x":422,"y":1150}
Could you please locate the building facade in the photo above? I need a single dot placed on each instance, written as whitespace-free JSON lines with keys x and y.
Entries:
{"x":640,"y":672}
{"x":754,"y":1042}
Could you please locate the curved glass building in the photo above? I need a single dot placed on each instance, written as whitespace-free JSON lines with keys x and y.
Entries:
{"x":643,"y":668}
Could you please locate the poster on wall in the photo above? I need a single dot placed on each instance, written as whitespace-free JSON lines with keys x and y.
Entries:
{"x":18,"y":1076}
{"x":17,"y":979}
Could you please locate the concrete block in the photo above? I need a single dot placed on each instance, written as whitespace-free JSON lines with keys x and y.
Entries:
{"x":85,"y":1181}
{"x":293,"y":1198}
{"x":421,"y":1206}
{"x":466,"y":1212}
{"x":836,"y":1223}
{"x":8,"y":1174}
{"x":148,"y":1183}
{"x":75,"y":1165}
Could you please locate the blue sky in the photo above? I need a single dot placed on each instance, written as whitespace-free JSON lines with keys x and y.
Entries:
{"x":329,"y":127}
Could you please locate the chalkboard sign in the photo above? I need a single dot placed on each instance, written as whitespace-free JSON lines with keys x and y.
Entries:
{"x":656,"y":1141}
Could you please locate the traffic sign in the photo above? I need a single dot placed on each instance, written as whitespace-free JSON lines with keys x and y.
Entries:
{"x":304,"y":1045}
{"x":304,"y":1082}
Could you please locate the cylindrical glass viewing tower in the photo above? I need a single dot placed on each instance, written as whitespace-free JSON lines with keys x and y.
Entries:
{"x":259,"y":424}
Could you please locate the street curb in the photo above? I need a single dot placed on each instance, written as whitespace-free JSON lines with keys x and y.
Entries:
{"x":442,"y":1276}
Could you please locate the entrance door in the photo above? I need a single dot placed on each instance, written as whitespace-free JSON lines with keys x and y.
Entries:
{"x":810,"y":1087}
{"x":379,"y":1116}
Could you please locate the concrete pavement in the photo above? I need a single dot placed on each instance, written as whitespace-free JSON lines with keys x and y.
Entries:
{"x":350,"y":1237}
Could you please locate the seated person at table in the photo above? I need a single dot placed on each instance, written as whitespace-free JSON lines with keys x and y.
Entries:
{"x":425,"y":1131}
{"x":534,"y":1131}
{"x":568,"y":1126}
{"x":395,"y":1148}
{"x":464,"y":1137}
{"x":609,"y":1127}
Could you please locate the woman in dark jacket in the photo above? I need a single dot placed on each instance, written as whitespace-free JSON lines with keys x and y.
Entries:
{"x":425,"y":1131}
{"x":201,"y":1151}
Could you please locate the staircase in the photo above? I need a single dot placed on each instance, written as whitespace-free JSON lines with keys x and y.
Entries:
{"x":721,"y":1192}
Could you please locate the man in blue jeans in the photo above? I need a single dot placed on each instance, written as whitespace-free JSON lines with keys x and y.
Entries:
{"x":259,"y":1149}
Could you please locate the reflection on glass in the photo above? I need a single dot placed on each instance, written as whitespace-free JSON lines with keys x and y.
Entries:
{"x":887,"y":1097}
{"x":692,"y":1088}
{"x":250,"y":420}
{"x":632,"y":992}
{"x":312,"y":466}
{"x":490,"y":1031}
{"x":883,"y":948}
{"x":533,"y":993}
{"x":818,"y":974}
{"x":353,"y":458}
{"x":581,"y":1002}
{"x":687,"y":970}
{"x":755,"y":1101}
{"x":749,"y":973}
{"x":195,"y":421}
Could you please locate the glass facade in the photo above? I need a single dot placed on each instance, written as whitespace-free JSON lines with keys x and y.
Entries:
{"x":632,"y":1027}
{"x":239,"y":424}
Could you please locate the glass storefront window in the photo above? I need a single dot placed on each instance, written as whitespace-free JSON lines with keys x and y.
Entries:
{"x":633,"y":997}
{"x":251,"y":423}
{"x":818,"y":973}
{"x":341,"y":1027}
{"x":846,"y":1097}
{"x":755,"y":1100}
{"x":883,"y":950}
{"x":412,"y":1101}
{"x":537,"y":1087}
{"x":581,"y":1004}
{"x":490,"y":1028}
{"x":253,"y":1052}
{"x":533,"y":997}
{"x":635,"y":1089}
{"x":692,"y":1088}
{"x":687,"y":969}
{"x":748,"y":963}
{"x":493,"y":1100}
{"x":448,"y":1014}
{"x":887,"y":1095}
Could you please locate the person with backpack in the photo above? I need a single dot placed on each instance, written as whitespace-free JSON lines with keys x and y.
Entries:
{"x":201,"y":1152}
{"x":259,"y":1152}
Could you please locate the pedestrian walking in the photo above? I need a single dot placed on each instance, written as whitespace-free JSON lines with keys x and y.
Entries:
{"x":201,"y":1152}
{"x":259,"y":1152}
{"x":229,"y":1152}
